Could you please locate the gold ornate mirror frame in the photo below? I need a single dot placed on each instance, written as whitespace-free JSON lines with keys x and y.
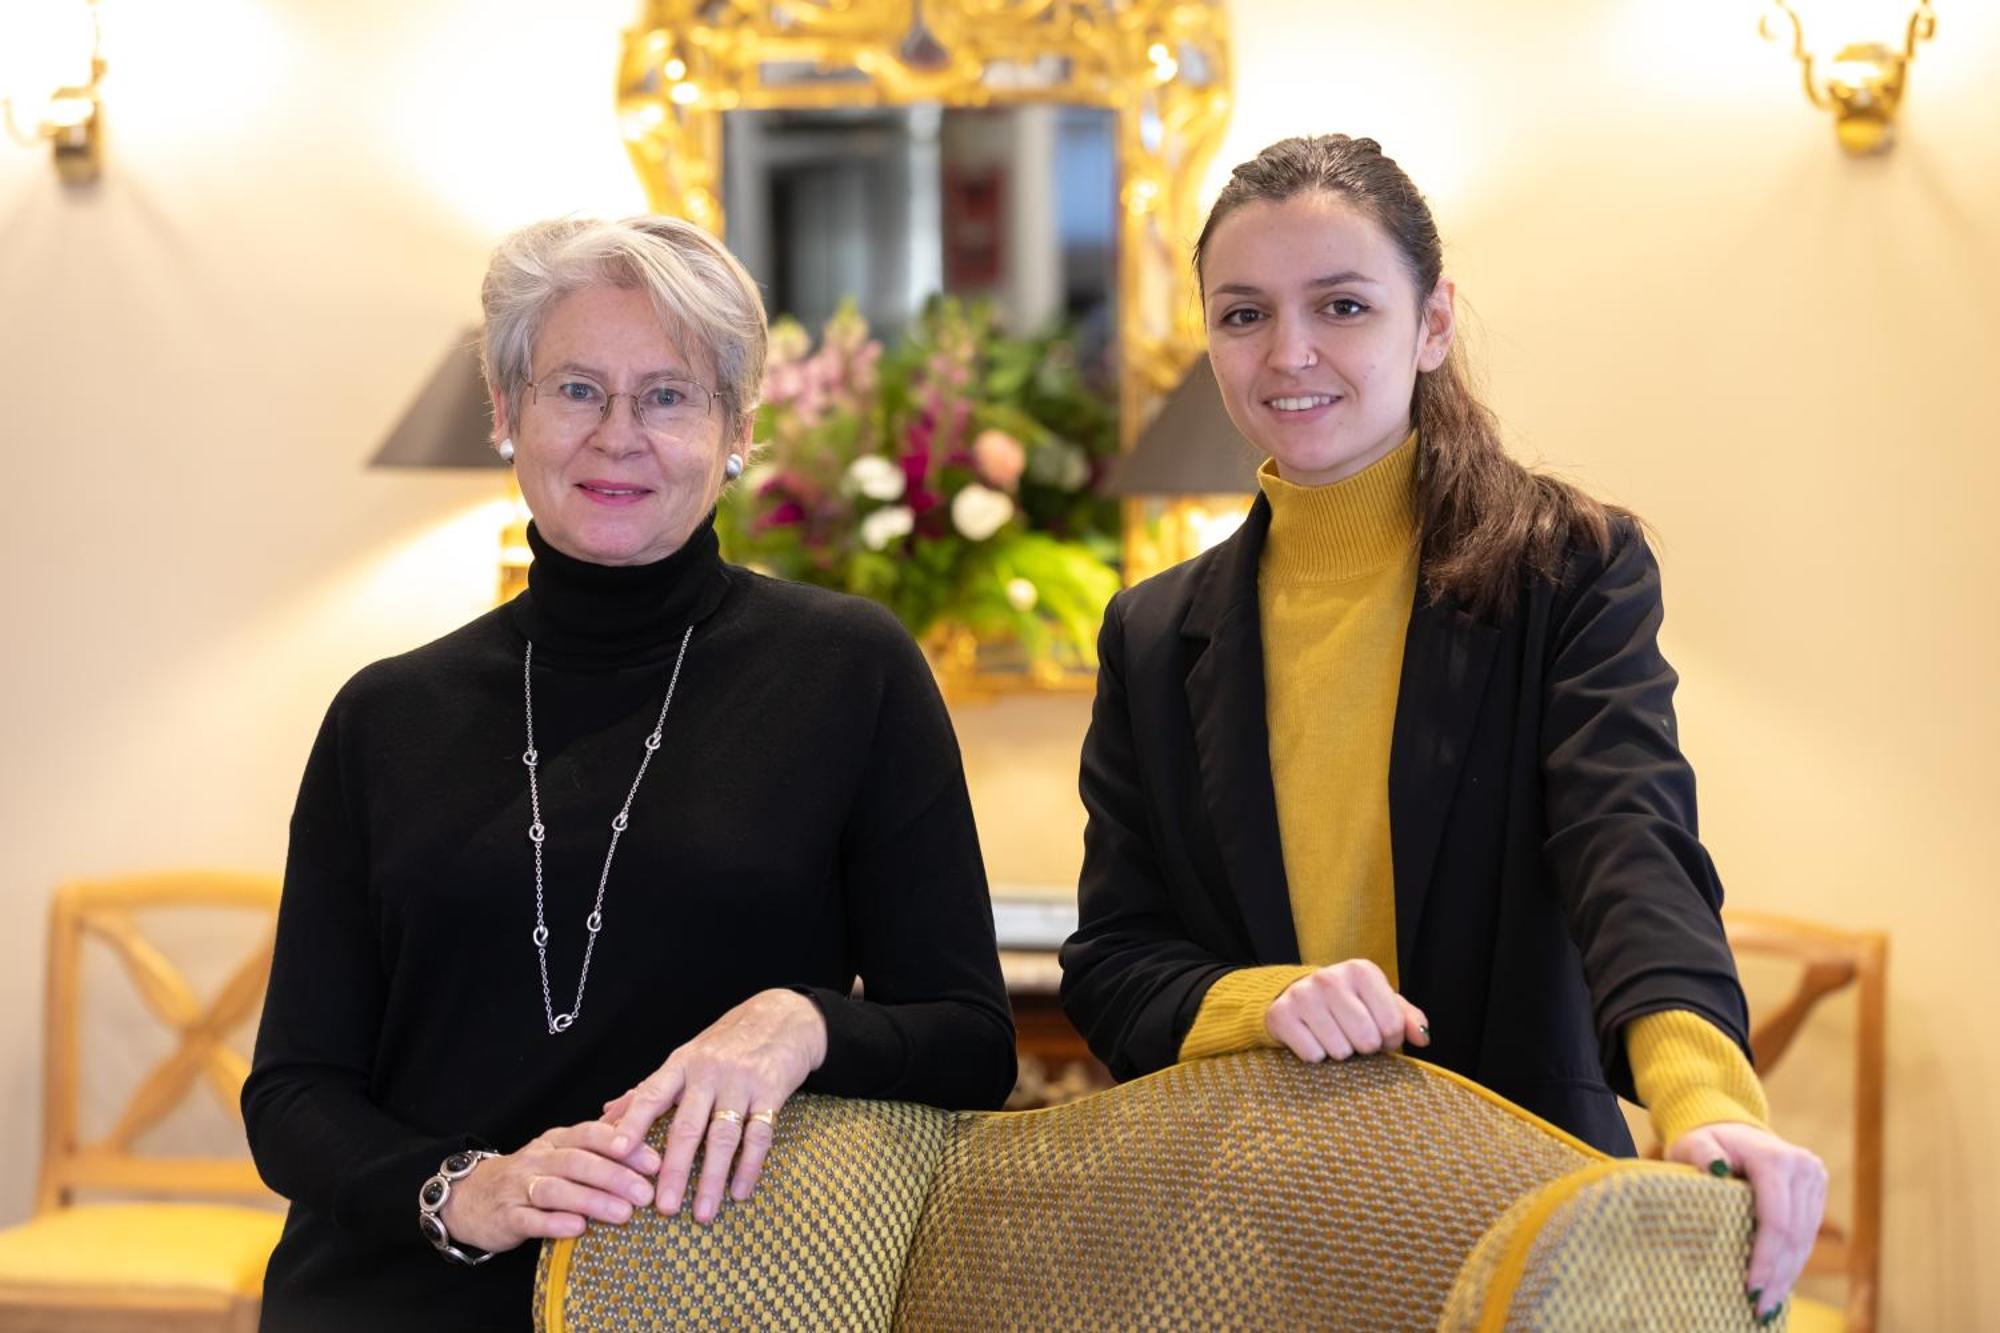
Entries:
{"x":1161,"y":65}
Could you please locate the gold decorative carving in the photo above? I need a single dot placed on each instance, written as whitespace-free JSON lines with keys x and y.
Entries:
{"x":1161,"y":65}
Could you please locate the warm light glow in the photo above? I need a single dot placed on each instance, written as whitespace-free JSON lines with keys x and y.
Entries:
{"x":482,"y":137}
{"x":685,"y":94}
{"x":44,"y":45}
{"x":190,"y":67}
{"x":644,"y":119}
{"x":1832,"y":25}
{"x":448,"y":561}
{"x":1211,"y":527}
{"x":1423,"y":111}
{"x":1854,"y":56}
{"x":1160,"y":532}
{"x":64,"y":112}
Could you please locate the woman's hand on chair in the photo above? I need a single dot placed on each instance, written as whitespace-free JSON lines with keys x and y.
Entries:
{"x":550,"y":1188}
{"x":1343,"y":1010}
{"x":725,"y":1088}
{"x":1788,"y":1185}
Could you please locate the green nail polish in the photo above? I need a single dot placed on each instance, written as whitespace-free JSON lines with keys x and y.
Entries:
{"x":1425,"y":1028}
{"x":1719,"y":1169}
{"x":1756,"y":1297}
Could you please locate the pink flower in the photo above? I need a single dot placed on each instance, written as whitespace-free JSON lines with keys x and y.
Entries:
{"x":999,"y":458}
{"x":789,"y":342}
{"x":916,"y":459}
{"x":861,"y":370}
{"x":787,"y":515}
{"x":782,"y":382}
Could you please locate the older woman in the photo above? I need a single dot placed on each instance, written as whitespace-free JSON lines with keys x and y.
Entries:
{"x":633,"y":835}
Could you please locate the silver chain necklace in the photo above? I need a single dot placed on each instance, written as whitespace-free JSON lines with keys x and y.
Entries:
{"x":537,"y":832}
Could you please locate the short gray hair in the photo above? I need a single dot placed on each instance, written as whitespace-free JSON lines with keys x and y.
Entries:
{"x":697,"y":287}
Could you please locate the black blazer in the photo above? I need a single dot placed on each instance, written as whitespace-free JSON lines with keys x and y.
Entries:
{"x":1550,"y":887}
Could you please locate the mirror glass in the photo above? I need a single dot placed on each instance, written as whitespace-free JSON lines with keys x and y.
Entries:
{"x":889,"y":206}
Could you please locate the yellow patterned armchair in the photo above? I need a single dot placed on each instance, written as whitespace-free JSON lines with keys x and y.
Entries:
{"x":1246,"y":1191}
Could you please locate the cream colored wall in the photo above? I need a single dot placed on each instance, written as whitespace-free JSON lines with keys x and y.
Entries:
{"x":1682,"y":295}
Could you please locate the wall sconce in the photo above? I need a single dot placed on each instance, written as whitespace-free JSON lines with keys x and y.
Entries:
{"x":1187,"y":482}
{"x":1861,"y":82}
{"x":51,"y":63}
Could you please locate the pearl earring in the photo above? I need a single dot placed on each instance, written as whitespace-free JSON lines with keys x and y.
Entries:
{"x":506,"y":450}
{"x":732,"y":468}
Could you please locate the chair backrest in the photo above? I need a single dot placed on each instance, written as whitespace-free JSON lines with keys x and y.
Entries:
{"x":1830,"y":960}
{"x":105,"y":911}
{"x":1620,"y":1244}
{"x":1248,"y":1190}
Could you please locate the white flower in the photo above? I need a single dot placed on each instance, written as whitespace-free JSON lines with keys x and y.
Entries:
{"x":978,"y":512}
{"x":1021,"y":595}
{"x":886,"y":525}
{"x":875,"y":477}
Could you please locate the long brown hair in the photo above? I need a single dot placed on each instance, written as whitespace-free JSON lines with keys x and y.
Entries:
{"x":1486,"y":521}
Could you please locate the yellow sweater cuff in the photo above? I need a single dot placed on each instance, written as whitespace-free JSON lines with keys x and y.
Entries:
{"x":1689,"y":1073}
{"x":1231,"y":1017}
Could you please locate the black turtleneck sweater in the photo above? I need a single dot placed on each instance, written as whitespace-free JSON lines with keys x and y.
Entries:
{"x":804,"y":824}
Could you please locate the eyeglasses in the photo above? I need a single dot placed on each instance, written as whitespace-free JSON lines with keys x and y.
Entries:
{"x":665,"y":406}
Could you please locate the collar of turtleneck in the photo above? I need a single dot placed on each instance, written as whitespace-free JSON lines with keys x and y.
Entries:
{"x":618,"y":615}
{"x":1353,"y":527}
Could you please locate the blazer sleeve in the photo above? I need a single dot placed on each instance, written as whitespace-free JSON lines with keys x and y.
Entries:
{"x":315,"y":1134}
{"x":1641,"y":894}
{"x":1133,"y":978}
{"x":933,"y":1023}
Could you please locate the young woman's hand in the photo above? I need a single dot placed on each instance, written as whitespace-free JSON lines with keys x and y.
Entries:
{"x":1789,"y":1186}
{"x":1346,"y":1009}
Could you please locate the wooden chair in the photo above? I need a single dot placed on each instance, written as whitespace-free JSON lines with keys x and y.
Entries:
{"x":109,"y":1267}
{"x":1831,"y":960}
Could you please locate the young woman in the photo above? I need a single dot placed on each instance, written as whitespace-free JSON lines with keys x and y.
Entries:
{"x":1397,"y":762}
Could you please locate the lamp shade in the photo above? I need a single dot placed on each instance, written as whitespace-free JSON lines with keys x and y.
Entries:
{"x":448,"y":425}
{"x":1190,"y":447}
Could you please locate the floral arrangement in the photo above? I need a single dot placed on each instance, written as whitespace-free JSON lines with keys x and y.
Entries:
{"x":950,"y":478}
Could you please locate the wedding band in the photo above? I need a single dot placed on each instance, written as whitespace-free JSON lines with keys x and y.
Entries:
{"x":727,"y":1113}
{"x":532,"y":1182}
{"x":768,"y":1119}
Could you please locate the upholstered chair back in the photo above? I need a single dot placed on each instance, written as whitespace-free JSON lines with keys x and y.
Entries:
{"x":1246,"y":1191}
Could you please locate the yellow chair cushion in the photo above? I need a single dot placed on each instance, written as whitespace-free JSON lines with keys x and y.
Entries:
{"x":144,"y":1246}
{"x":1810,"y":1316}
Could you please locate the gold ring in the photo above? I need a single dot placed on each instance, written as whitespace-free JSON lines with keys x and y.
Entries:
{"x":768,"y":1119}
{"x":532,"y":1182}
{"x":727,"y":1113}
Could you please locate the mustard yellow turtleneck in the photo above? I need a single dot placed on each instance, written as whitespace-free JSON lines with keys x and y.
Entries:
{"x":1335,"y":586}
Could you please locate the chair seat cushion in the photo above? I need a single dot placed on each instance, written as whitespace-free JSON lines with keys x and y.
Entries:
{"x":142,"y":1246}
{"x":1810,"y":1316}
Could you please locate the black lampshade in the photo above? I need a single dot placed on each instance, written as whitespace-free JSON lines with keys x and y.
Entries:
{"x":1189,"y":448}
{"x":449,"y":424}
